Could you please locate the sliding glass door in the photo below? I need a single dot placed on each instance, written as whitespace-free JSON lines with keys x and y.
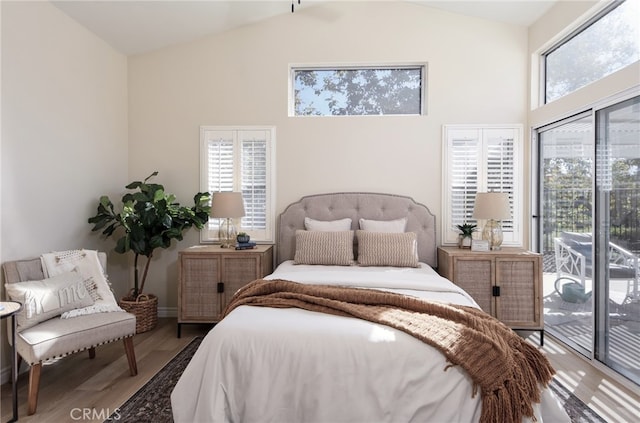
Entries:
{"x":617,"y":269}
{"x":589,"y":229}
{"x":567,"y":169}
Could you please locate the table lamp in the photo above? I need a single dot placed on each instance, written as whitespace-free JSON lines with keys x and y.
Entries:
{"x":227,"y":206}
{"x":493,"y":206}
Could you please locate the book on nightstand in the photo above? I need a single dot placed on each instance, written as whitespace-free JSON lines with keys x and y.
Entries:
{"x":245,"y":245}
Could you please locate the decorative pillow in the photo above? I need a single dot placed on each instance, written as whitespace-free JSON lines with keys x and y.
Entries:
{"x":387,"y":249}
{"x":396,"y":226}
{"x":328,"y":248}
{"x":47,"y":298}
{"x":88,"y":265}
{"x":327,"y":225}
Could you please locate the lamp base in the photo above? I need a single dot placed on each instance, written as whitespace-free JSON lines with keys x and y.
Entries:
{"x":227,"y":233}
{"x":492,"y":232}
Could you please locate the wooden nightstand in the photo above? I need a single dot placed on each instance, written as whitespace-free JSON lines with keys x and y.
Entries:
{"x":208,"y":276}
{"x":506,"y":284}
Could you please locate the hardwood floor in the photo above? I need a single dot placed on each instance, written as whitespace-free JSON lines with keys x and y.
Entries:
{"x":614,"y":401}
{"x":79,"y":389}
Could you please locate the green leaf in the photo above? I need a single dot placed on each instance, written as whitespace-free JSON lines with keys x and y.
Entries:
{"x":158,"y":195}
{"x":122,"y":245}
{"x":150,"y":218}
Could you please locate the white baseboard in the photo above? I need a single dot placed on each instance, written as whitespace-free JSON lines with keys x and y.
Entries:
{"x":5,"y":373}
{"x":167,"y":311}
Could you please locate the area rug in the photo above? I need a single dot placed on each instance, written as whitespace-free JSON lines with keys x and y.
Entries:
{"x":152,"y":403}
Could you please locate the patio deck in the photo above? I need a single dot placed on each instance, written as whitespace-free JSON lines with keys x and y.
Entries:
{"x":574,"y":321}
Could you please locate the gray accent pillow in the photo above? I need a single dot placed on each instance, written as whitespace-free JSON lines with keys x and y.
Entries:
{"x":387,"y":249}
{"x":326,"y":248}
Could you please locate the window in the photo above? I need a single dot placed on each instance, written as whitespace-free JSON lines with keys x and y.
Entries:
{"x":348,"y":91}
{"x":481,"y":158}
{"x":607,"y":43}
{"x":241,"y":160}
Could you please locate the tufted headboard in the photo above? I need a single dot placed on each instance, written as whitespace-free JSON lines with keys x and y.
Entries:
{"x":356,"y":205}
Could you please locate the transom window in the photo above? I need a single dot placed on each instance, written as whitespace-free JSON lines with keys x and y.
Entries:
{"x":607,"y":43}
{"x":357,"y":90}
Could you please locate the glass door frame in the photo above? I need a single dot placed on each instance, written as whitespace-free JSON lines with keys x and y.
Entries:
{"x":600,"y":315}
{"x":537,"y":220}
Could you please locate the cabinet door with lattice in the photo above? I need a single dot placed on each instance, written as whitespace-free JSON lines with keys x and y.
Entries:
{"x":238,"y":270}
{"x":475,"y":275}
{"x":198,"y":297}
{"x":519,"y":302}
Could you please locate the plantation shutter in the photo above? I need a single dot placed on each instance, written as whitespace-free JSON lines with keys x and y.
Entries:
{"x":500,"y":169}
{"x":239,"y":160}
{"x":220,"y":161}
{"x":464,"y":174}
{"x":253,"y":179}
{"x":479,"y":158}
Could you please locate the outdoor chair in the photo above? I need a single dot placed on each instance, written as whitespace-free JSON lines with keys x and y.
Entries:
{"x":574,"y":255}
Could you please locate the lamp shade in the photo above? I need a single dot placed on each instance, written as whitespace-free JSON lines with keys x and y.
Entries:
{"x":492,"y":205}
{"x":227,"y":205}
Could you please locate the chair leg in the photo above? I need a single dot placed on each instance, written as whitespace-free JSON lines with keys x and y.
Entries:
{"x":131,"y":355}
{"x":34,"y":386}
{"x":92,"y":352}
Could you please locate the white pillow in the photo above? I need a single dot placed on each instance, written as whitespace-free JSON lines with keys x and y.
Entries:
{"x":327,"y":225}
{"x":396,"y":226}
{"x":41,"y":300}
{"x":322,"y":247}
{"x":88,"y":265}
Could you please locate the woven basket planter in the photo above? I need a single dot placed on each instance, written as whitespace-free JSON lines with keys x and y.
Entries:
{"x":145,"y":308}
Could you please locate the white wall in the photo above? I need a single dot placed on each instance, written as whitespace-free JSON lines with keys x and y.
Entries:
{"x":64,"y":134}
{"x":477,"y":73}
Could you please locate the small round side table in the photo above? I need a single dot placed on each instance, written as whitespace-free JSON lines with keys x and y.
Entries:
{"x":10,"y":309}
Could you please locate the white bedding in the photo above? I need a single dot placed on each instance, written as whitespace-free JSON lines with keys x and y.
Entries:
{"x":292,"y":365}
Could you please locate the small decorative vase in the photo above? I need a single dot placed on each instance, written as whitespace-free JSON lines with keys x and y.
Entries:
{"x":243,"y":238}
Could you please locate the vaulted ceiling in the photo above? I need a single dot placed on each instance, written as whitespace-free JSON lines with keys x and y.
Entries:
{"x":135,"y":26}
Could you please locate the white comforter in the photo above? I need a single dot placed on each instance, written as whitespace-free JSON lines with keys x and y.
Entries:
{"x":290,"y":365}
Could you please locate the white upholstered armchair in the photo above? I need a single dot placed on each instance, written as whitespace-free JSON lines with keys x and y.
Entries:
{"x":56,"y":337}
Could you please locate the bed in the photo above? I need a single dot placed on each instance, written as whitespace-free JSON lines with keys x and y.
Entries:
{"x":295,"y":364}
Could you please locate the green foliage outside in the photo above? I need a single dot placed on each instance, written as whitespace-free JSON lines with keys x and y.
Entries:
{"x":341,"y":92}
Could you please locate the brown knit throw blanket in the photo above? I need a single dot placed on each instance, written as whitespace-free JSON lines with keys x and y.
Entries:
{"x":505,"y":368}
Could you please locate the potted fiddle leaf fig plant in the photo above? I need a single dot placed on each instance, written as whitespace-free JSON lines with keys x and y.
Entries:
{"x":149,"y":218}
{"x":466,"y":234}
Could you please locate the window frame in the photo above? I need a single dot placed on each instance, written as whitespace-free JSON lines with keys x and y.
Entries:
{"x":513,"y":236}
{"x":423,"y":66}
{"x":209,"y":234}
{"x":602,"y":11}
